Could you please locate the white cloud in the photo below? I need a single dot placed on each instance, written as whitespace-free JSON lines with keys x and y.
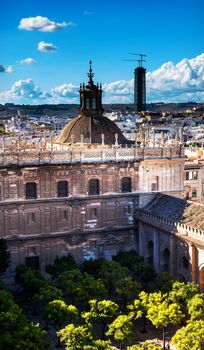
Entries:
{"x":28,"y":60}
{"x":46,"y":47}
{"x":28,"y":92}
{"x":169,"y":83}
{"x":42,"y":24}
{"x":65,"y":93}
{"x":8,"y":69}
{"x":88,"y":13}
{"x":23,"y":89}
{"x":65,"y":90}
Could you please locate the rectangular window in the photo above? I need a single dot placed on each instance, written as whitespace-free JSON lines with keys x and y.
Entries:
{"x":195,"y":175}
{"x":64,"y":214}
{"x":62,"y":189}
{"x":190,"y":175}
{"x":94,"y":187}
{"x":31,"y":190}
{"x":93,"y":213}
{"x":154,"y":186}
{"x":187,"y":175}
{"x":126,"y":184}
{"x":31,"y":218}
{"x":194,"y":193}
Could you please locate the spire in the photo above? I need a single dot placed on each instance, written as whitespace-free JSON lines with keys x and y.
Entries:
{"x":90,"y":74}
{"x":91,"y":96}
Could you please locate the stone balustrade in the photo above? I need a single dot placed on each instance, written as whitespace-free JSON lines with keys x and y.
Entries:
{"x":174,"y":225}
{"x":84,"y":155}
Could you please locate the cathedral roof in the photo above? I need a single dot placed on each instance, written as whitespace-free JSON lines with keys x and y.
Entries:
{"x":177,"y":209}
{"x":90,"y":124}
{"x":92,"y":129}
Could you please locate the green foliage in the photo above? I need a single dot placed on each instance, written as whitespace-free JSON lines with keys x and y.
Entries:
{"x":30,"y":279}
{"x":15,"y":332}
{"x":140,"y":306}
{"x":57,"y":312}
{"x":10,"y":313}
{"x":4,"y":255}
{"x":196,"y":307}
{"x":127,"y":289}
{"x":69,"y":281}
{"x":162,"y":314}
{"x":46,"y":294}
{"x":128,"y":259}
{"x":140,"y":271}
{"x":144,"y":274}
{"x":80,"y":338}
{"x":164,"y":282}
{"x":91,"y":288}
{"x":30,"y":337}
{"x":101,"y":310}
{"x":81,"y":287}
{"x":92,"y":267}
{"x":190,"y":337}
{"x":76,"y":337}
{"x":65,"y":263}
{"x":111,"y":273}
{"x":144,"y":346}
{"x":121,"y":329}
{"x":182,"y":292}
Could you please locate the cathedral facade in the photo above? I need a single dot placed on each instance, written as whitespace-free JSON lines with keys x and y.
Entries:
{"x":91,"y":192}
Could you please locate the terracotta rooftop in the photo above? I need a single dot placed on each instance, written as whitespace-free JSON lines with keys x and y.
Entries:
{"x":186,"y":212}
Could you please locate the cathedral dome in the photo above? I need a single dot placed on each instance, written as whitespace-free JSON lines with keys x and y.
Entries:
{"x":90,"y":124}
{"x":92,"y":128}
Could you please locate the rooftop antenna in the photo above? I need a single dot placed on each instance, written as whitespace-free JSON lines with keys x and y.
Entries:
{"x":134,"y":61}
{"x":141,"y":57}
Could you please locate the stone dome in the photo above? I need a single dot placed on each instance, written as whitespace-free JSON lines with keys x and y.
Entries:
{"x":90,"y":124}
{"x":92,"y":129}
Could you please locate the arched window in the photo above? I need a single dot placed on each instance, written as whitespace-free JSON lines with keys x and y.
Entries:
{"x":62,"y":189}
{"x":94,"y":103}
{"x":185,"y":263}
{"x":126,"y":184}
{"x":87,"y":103}
{"x":166,"y":260}
{"x":31,"y":190}
{"x":94,"y":187}
{"x":150,"y":253}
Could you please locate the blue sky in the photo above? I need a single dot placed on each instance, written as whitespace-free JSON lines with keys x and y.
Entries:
{"x":104,"y":31}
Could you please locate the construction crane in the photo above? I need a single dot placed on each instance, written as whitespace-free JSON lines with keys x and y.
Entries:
{"x":134,"y":61}
{"x":141,"y":57}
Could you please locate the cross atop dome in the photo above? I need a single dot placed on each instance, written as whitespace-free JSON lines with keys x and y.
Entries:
{"x":90,"y":74}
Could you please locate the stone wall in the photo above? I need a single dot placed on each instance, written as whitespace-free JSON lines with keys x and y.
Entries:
{"x":100,"y":224}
